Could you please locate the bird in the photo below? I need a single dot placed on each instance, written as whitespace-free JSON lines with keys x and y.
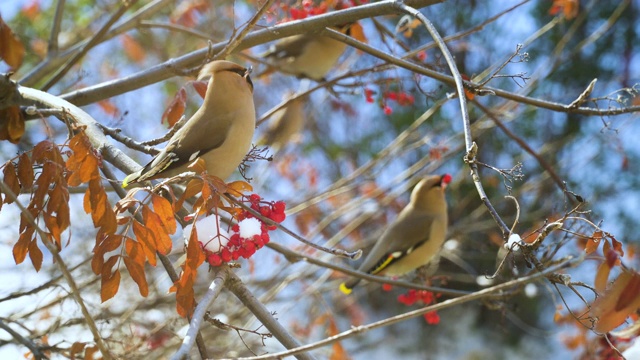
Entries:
{"x":307,"y":55}
{"x":285,"y":125}
{"x":414,"y":238}
{"x":219,"y":133}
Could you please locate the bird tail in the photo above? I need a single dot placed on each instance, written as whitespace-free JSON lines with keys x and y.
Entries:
{"x":131,"y":178}
{"x":347,"y":286}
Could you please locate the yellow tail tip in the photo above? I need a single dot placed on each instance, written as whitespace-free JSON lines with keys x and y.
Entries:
{"x":345,"y":290}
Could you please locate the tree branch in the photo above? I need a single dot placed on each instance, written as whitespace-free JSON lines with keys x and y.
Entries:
{"x":198,"y":316}
{"x":415,"y":313}
{"x":266,"y":318}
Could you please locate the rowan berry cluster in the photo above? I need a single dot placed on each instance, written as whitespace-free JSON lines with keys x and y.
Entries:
{"x":250,"y":233}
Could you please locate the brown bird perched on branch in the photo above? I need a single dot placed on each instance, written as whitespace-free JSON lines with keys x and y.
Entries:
{"x":285,"y":124}
{"x":220,"y":132}
{"x":414,"y":238}
{"x":307,"y":55}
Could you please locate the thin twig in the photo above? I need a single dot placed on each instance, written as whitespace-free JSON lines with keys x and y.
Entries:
{"x":35,"y":349}
{"x":543,"y":163}
{"x":127,"y":141}
{"x":337,"y":252}
{"x":52,"y":49}
{"x":471,"y":146}
{"x":95,"y":40}
{"x":233,"y":43}
{"x":198,"y":315}
{"x":415,"y":313}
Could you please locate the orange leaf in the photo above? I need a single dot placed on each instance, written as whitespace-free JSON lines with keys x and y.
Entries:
{"x":194,"y":186}
{"x":12,"y":128}
{"x":137,"y":274}
{"x":21,"y":248}
{"x":569,"y":8}
{"x":132,"y":48}
{"x":82,"y":163}
{"x":146,"y":239}
{"x":620,"y":300}
{"x":198,"y":165}
{"x":110,"y":285}
{"x":59,"y":204}
{"x":236,"y":188}
{"x":195,"y":256}
{"x":602,"y":275}
{"x":97,"y":263}
{"x":11,"y":179}
{"x":90,"y":351}
{"x":163,"y":209}
{"x":102,"y":214}
{"x":630,"y":292}
{"x":617,"y":247}
{"x":108,"y":107}
{"x":593,"y":243}
{"x":32,"y":10}
{"x":110,"y":243}
{"x":110,"y":280}
{"x":25,"y":171}
{"x":200,"y":87}
{"x":185,"y":300}
{"x":11,"y":48}
{"x":176,"y":108}
{"x":135,"y":251}
{"x":35,"y":254}
{"x":52,"y":226}
{"x":154,"y":224}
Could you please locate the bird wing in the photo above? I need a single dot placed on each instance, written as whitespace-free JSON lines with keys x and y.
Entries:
{"x":399,"y":240}
{"x":289,"y":47}
{"x":185,"y":146}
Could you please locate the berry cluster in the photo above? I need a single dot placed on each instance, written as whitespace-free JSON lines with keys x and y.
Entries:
{"x":271,"y":210}
{"x":249,"y":234}
{"x":425,"y":297}
{"x":402,"y":98}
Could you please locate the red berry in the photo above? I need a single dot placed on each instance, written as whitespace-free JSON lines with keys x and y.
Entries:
{"x":280,"y":206}
{"x":432,"y":318}
{"x":225,"y":254}
{"x":254,"y":198}
{"x":426,"y":297}
{"x":386,"y":287}
{"x":250,"y":248}
{"x":297,"y":14}
{"x":387,"y":110}
{"x":278,"y":217}
{"x":446,"y":178}
{"x":409,"y":298}
{"x":265,"y":211}
{"x":214,"y":260}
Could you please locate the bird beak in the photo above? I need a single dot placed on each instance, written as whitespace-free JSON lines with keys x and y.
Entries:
{"x":445,"y":180}
{"x":248,"y":78}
